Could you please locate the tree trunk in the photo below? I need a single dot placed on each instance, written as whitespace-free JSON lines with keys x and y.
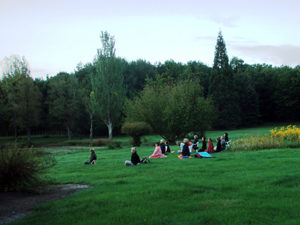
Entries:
{"x":110,"y":129}
{"x":69,"y":133}
{"x":91,"y":128}
{"x":28,"y":137}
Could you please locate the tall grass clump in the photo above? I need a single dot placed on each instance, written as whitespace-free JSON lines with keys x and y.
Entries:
{"x":22,"y":169}
{"x":285,"y":137}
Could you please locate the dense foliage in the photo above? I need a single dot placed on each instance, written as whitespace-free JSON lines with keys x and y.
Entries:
{"x":172,"y":109}
{"x":243,"y":95}
{"x":22,"y":169}
{"x":136,"y":130}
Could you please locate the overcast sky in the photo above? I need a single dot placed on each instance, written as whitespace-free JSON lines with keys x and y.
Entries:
{"x":56,"y":35}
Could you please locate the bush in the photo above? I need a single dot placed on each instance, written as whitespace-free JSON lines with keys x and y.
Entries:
{"x":136,"y":130}
{"x":288,"y":137}
{"x":22,"y":169}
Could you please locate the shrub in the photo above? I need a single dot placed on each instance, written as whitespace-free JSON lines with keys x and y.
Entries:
{"x":136,"y":130}
{"x":288,"y":137}
{"x":291,"y":133}
{"x":22,"y":169}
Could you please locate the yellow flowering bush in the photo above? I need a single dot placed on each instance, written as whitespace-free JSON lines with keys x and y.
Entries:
{"x":284,"y":137}
{"x":291,"y":133}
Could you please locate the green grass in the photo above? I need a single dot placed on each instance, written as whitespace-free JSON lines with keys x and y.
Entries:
{"x":256,"y":187}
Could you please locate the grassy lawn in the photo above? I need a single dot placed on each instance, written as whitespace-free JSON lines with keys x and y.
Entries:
{"x":258,"y":187}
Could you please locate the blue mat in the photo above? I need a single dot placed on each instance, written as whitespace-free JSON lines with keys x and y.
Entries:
{"x":205,"y":155}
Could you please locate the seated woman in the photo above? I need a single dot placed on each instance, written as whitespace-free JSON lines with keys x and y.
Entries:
{"x":180,"y":144}
{"x":196,"y":141}
{"x":157,"y":152}
{"x":185,"y":149}
{"x":210,"y":148}
{"x":218,"y":148}
{"x":204,"y":145}
{"x":93,"y":157}
{"x":167,"y":147}
{"x":226,"y":137}
{"x":135,"y":159}
{"x":223,"y":143}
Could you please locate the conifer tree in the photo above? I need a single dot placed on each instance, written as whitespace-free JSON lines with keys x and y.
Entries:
{"x":222,"y":88}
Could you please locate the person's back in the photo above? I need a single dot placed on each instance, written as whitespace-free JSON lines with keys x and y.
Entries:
{"x":135,"y":159}
{"x":223,"y":143}
{"x":210,"y":148}
{"x":219,"y":147}
{"x":185,"y":149}
{"x":162,"y":147}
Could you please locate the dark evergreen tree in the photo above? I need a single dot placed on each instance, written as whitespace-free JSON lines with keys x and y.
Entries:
{"x":222,"y":88}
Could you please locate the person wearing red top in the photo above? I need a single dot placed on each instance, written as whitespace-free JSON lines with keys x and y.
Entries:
{"x":210,"y":148}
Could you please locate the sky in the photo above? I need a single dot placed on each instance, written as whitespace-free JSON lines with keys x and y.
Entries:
{"x":57,"y":35}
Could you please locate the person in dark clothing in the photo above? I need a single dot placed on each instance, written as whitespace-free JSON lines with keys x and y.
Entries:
{"x":185,"y":149}
{"x":223,"y":143}
{"x":135,"y":159}
{"x":167,"y":147}
{"x":218,"y":148}
{"x":196,"y":140}
{"x":204,"y":145}
{"x":93,"y":157}
{"x":162,"y":146}
{"x":226,"y":137}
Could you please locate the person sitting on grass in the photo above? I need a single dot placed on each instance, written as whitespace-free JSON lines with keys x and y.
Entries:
{"x":135,"y":159}
{"x":162,"y":146}
{"x":226,"y":137}
{"x":210,"y":148}
{"x":196,"y":141}
{"x":185,"y":149}
{"x":218,"y":148}
{"x":157,"y":152}
{"x":223,"y":143}
{"x":93,"y":157}
{"x":204,"y":145}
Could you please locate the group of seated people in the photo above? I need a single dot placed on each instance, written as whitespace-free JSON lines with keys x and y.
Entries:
{"x":186,"y":147}
{"x":162,"y":148}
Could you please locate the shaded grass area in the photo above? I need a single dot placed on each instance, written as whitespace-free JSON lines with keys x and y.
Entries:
{"x":260,"y":187}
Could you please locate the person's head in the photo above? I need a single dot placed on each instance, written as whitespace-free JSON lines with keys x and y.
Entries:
{"x":162,"y":141}
{"x":203,"y":138}
{"x":218,"y":139}
{"x":166,"y":142}
{"x":196,"y":137}
{"x":133,"y":149}
{"x":185,"y":140}
{"x":157,"y":144}
{"x":209,"y":139}
{"x":92,"y":151}
{"x":226,"y":134}
{"x":222,"y":138}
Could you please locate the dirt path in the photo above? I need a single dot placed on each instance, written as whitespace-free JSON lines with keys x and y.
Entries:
{"x":14,"y":205}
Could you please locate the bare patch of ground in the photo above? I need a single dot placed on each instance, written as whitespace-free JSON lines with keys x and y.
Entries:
{"x":15,"y":205}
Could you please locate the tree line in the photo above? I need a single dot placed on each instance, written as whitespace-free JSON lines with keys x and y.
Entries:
{"x":172,"y":97}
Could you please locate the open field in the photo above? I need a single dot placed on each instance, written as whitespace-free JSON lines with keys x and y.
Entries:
{"x":258,"y":187}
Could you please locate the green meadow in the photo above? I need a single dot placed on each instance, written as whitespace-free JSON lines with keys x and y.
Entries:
{"x":253,"y":187}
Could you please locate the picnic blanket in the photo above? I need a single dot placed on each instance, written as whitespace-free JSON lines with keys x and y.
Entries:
{"x":203,"y":155}
{"x":184,"y":157}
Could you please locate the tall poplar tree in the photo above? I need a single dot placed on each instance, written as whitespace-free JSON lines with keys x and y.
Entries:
{"x":222,"y":88}
{"x":108,"y":84}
